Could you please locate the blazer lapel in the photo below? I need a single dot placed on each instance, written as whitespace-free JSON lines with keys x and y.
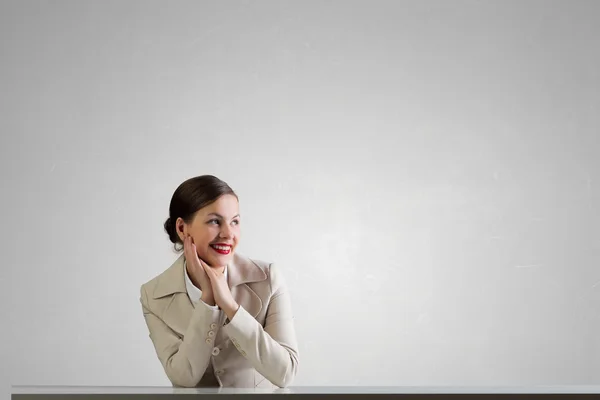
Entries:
{"x":178,"y":307}
{"x":239,"y":273}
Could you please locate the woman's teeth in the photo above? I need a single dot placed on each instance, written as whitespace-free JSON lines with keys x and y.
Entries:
{"x":221,"y":249}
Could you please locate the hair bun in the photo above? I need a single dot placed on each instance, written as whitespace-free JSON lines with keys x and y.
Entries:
{"x":170,"y":229}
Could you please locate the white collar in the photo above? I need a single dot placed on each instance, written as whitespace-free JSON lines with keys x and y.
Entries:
{"x":194,"y":292}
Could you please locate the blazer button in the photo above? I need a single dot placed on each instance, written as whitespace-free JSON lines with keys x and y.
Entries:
{"x":211,"y":334}
{"x":216,"y":351}
{"x":209,"y":340}
{"x":213,"y":326}
{"x":220,"y":372}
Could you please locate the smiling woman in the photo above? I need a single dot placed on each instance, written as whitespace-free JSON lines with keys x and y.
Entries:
{"x":217,"y":318}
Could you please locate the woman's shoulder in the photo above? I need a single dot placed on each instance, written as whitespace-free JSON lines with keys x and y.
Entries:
{"x":246,"y":263}
{"x":271,"y":270}
{"x":260,"y":263}
{"x":166,"y":282}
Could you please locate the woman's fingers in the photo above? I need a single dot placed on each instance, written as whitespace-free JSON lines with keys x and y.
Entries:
{"x":186,"y":247}
{"x":190,"y":249}
{"x":207,"y":269}
{"x":190,"y":253}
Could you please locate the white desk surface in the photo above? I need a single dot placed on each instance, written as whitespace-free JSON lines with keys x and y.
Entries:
{"x":302,"y":389}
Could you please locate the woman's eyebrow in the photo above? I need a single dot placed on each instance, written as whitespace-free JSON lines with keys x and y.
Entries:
{"x":220,"y":216}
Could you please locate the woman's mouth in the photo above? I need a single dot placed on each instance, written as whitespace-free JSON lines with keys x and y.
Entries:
{"x":221,"y":249}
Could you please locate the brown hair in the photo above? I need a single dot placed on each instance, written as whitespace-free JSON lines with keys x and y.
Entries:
{"x":190,"y":196}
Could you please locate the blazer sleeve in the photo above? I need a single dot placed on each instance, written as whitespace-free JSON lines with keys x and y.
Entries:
{"x":272,"y":350}
{"x":184,"y":359}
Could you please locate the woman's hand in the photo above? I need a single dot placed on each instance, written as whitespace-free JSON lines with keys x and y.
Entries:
{"x":197,"y":272}
{"x":222,"y":294}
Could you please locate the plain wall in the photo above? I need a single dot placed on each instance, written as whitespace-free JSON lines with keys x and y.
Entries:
{"x":424,"y":172}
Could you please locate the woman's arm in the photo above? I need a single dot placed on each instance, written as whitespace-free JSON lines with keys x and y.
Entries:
{"x":272,"y":350}
{"x":184,"y":361}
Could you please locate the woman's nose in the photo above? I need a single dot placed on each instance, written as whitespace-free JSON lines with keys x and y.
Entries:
{"x":225,"y":232}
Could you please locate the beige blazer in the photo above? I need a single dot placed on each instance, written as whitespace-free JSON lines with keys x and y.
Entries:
{"x":198,"y":347}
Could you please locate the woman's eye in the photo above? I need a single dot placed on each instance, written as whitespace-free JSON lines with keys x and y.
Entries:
{"x":236,"y":222}
{"x":213,"y":221}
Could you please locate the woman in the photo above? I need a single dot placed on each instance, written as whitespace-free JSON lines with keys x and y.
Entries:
{"x":216,"y":318}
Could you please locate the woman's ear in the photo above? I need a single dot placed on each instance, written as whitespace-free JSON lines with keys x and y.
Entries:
{"x":181,"y":229}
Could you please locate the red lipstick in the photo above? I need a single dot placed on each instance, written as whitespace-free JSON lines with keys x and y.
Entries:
{"x":221,"y":248}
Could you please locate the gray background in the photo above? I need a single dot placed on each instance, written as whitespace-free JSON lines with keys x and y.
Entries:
{"x":425,"y":173}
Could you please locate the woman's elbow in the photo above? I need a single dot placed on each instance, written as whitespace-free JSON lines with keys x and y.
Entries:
{"x":181,"y":381}
{"x":181,"y":377}
{"x":285,"y":381}
{"x":290,"y":374}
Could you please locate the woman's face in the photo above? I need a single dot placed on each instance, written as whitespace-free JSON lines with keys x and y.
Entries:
{"x":215,"y":230}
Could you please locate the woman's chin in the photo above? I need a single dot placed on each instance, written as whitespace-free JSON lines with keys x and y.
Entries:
{"x":220,"y":260}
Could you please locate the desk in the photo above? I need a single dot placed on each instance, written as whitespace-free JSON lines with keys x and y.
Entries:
{"x":302,"y":392}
